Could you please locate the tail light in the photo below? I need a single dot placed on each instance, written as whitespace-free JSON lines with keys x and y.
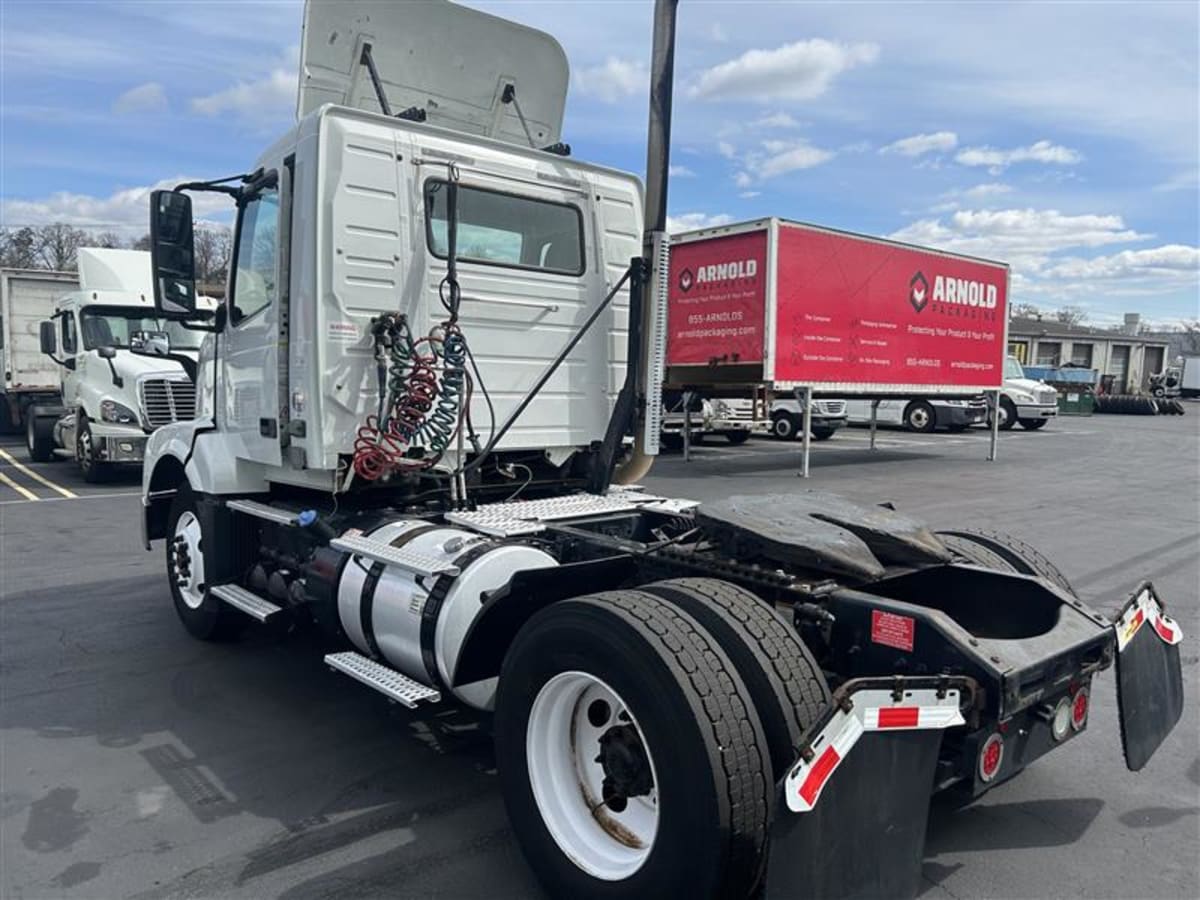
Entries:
{"x":1060,"y":718}
{"x":1079,"y":709}
{"x":991,"y":755}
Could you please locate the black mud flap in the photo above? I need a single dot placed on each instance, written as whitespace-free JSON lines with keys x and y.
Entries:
{"x":850,"y":815}
{"x":866,"y":838}
{"x":1149,"y":675}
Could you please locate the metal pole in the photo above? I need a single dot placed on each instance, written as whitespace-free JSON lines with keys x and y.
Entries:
{"x":687,"y":426}
{"x":995,"y":425}
{"x":804,"y":395}
{"x":874,"y":411}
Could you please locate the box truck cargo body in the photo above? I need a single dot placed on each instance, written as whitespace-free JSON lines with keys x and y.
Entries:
{"x":791,"y":305}
{"x":27,"y":297}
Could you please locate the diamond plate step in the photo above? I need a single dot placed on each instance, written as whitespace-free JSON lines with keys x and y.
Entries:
{"x":263,"y":511}
{"x":249,"y":603}
{"x":393,"y":556}
{"x":387,"y":681}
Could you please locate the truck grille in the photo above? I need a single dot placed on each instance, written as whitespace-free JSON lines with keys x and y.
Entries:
{"x":165,"y":401}
{"x":831,"y":407}
{"x":1046,"y":395}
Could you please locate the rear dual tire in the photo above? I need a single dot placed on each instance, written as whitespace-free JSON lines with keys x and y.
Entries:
{"x":693,"y":730}
{"x":39,"y":437}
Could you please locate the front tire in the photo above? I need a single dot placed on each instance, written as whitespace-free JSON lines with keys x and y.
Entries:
{"x":737,"y":437}
{"x":90,"y":466}
{"x":822,"y":434}
{"x":1008,"y":414}
{"x":1033,"y":424}
{"x":785,"y":426}
{"x":203,"y":615}
{"x":630,"y":761}
{"x":919,"y":416}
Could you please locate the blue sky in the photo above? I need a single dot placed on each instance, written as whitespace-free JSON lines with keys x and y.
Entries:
{"x":1061,"y":137}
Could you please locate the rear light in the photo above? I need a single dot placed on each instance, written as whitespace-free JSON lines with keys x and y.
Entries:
{"x":1079,"y":709}
{"x":990,"y":757}
{"x":1060,"y":718}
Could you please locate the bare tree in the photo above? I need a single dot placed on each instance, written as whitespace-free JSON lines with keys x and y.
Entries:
{"x":142,"y":243}
{"x":213,"y":245}
{"x":18,"y":248}
{"x":1071,"y":315}
{"x":58,"y":246}
{"x":1191,"y":335}
{"x":107,"y":239}
{"x":1025,"y":311}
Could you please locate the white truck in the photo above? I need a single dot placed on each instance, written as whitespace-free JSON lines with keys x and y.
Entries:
{"x":1028,"y":401}
{"x":921,"y":414}
{"x":410,"y":436}
{"x":26,"y":297}
{"x":123,"y":370}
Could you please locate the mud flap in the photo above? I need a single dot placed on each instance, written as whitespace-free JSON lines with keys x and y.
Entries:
{"x":1149,"y":675}
{"x":851,"y":813}
{"x":866,"y":838}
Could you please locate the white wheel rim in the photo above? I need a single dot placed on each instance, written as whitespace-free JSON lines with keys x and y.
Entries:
{"x":919,"y":418}
{"x":190,"y":587}
{"x":562,"y":744}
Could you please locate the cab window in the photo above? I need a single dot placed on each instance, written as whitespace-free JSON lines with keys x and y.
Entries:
{"x":69,"y":343}
{"x":502,"y":229}
{"x":254,"y":287}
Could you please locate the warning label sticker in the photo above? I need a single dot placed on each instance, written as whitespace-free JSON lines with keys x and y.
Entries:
{"x":892,"y":630}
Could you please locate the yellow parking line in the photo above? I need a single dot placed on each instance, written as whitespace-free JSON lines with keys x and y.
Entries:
{"x":29,"y":495}
{"x":4,"y":454}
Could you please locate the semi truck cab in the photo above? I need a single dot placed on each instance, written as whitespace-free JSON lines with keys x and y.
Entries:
{"x":1032,"y":403}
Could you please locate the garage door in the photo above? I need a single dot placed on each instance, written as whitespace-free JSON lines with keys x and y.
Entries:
{"x":1153,"y":363}
{"x":1118,"y":366}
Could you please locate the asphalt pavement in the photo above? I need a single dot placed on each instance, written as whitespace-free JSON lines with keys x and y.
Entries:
{"x":136,"y":762}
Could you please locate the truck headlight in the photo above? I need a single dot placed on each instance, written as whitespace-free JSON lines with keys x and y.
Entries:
{"x":112,"y":411}
{"x":1021,"y":396}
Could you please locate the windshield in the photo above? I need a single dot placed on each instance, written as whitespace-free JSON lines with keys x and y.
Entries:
{"x":110,"y":326}
{"x":1012,"y":368}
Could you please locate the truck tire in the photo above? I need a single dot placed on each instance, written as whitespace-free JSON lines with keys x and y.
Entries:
{"x":973,"y":553}
{"x":784,"y":682}
{"x":203,"y":615}
{"x":10,"y":421}
{"x":625,"y":690}
{"x":737,"y":437}
{"x":39,"y":437}
{"x":94,"y":471}
{"x":1032,"y":424}
{"x":822,"y":434}
{"x":920,"y":416}
{"x":786,"y":426}
{"x":1008,"y":414}
{"x":671,"y":442}
{"x":1020,"y":556}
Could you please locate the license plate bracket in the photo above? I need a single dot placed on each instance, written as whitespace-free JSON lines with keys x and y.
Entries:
{"x":1149,"y":675}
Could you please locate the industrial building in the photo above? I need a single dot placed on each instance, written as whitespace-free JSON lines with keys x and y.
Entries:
{"x":1129,"y":357}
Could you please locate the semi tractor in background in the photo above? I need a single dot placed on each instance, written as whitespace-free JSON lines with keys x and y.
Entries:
{"x":1031,"y":402}
{"x":411,"y":437}
{"x":119,"y":370}
{"x":27,"y":297}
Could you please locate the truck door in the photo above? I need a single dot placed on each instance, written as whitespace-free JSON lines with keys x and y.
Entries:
{"x":68,"y":340}
{"x":250,"y":352}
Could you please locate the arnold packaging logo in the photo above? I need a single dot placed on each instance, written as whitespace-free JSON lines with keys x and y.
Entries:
{"x":918,"y":292}
{"x":686,"y":280}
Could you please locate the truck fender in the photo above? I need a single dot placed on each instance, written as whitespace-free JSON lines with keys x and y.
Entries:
{"x":46,"y":411}
{"x":162,"y":482}
{"x":508,"y":608}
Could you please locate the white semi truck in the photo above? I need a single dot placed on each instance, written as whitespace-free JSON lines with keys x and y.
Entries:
{"x":410,"y":435}
{"x":122,"y":370}
{"x":29,"y":377}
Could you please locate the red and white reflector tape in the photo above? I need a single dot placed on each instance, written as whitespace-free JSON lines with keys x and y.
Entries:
{"x":1146,"y":609}
{"x":871,"y":710}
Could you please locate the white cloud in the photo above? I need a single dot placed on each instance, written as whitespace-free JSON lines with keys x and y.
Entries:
{"x":1172,"y":260}
{"x":726,"y":149}
{"x":749,"y":195}
{"x":613,"y":80}
{"x":127,"y":209}
{"x":145,"y":98}
{"x":920,"y":144}
{"x":681,"y":172}
{"x":783,"y":157}
{"x":743,"y":179}
{"x":1026,"y":238}
{"x":693,"y":221}
{"x":991,"y":189}
{"x":269,"y":97}
{"x":1184,"y":181}
{"x":775,"y":120}
{"x":799,"y":71}
{"x":998,"y":160}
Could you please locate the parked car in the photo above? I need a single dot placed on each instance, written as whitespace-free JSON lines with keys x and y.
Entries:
{"x":921,"y":414}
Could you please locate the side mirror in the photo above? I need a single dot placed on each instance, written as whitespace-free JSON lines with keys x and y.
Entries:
{"x":172,"y":254}
{"x":150,"y":343}
{"x":106,"y":352}
{"x":48,"y":336}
